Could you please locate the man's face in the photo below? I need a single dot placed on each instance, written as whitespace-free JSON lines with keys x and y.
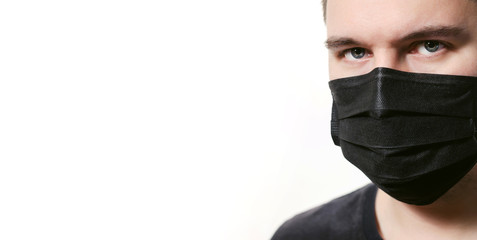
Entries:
{"x":426,"y":36}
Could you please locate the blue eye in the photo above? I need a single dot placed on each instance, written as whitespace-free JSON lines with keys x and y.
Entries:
{"x":429,"y":48}
{"x":355,"y":53}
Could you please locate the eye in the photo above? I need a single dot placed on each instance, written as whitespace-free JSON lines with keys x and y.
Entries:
{"x":429,"y":48}
{"x":353,"y":54}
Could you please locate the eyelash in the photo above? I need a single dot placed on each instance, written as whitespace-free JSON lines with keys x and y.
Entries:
{"x":445,"y":45}
{"x":413,"y":46}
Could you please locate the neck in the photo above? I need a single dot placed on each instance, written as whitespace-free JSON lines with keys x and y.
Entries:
{"x":452,"y":216}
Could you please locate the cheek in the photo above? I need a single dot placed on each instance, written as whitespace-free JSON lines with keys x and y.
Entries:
{"x":338,"y":69}
{"x":469,"y":70}
{"x":464,"y":62}
{"x":461,"y":63}
{"x":334,"y":71}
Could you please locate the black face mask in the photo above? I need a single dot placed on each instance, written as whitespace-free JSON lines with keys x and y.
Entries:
{"x":412,"y":134}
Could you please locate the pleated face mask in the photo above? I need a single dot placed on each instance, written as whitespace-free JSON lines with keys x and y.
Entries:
{"x":411,"y":134}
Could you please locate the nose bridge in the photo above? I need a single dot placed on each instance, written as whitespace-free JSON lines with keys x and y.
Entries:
{"x":388,"y":58}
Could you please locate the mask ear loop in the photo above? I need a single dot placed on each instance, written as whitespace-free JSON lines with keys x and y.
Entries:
{"x":335,"y":125}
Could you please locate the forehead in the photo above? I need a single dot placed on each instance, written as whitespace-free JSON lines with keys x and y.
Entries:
{"x":382,"y":19}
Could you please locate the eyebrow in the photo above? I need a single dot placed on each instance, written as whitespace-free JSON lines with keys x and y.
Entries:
{"x":338,"y":42}
{"x":426,"y":32}
{"x":434,"y":31}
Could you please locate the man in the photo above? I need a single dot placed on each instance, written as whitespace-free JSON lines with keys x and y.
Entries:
{"x":404,"y":84}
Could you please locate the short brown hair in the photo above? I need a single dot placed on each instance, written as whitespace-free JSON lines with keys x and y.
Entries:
{"x":323,"y":2}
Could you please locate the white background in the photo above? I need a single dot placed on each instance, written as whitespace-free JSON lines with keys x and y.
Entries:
{"x":163,"y":119}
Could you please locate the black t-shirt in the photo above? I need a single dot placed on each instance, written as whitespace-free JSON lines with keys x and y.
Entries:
{"x":350,"y":217}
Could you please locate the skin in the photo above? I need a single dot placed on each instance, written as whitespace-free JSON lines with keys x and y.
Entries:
{"x":425,"y":36}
